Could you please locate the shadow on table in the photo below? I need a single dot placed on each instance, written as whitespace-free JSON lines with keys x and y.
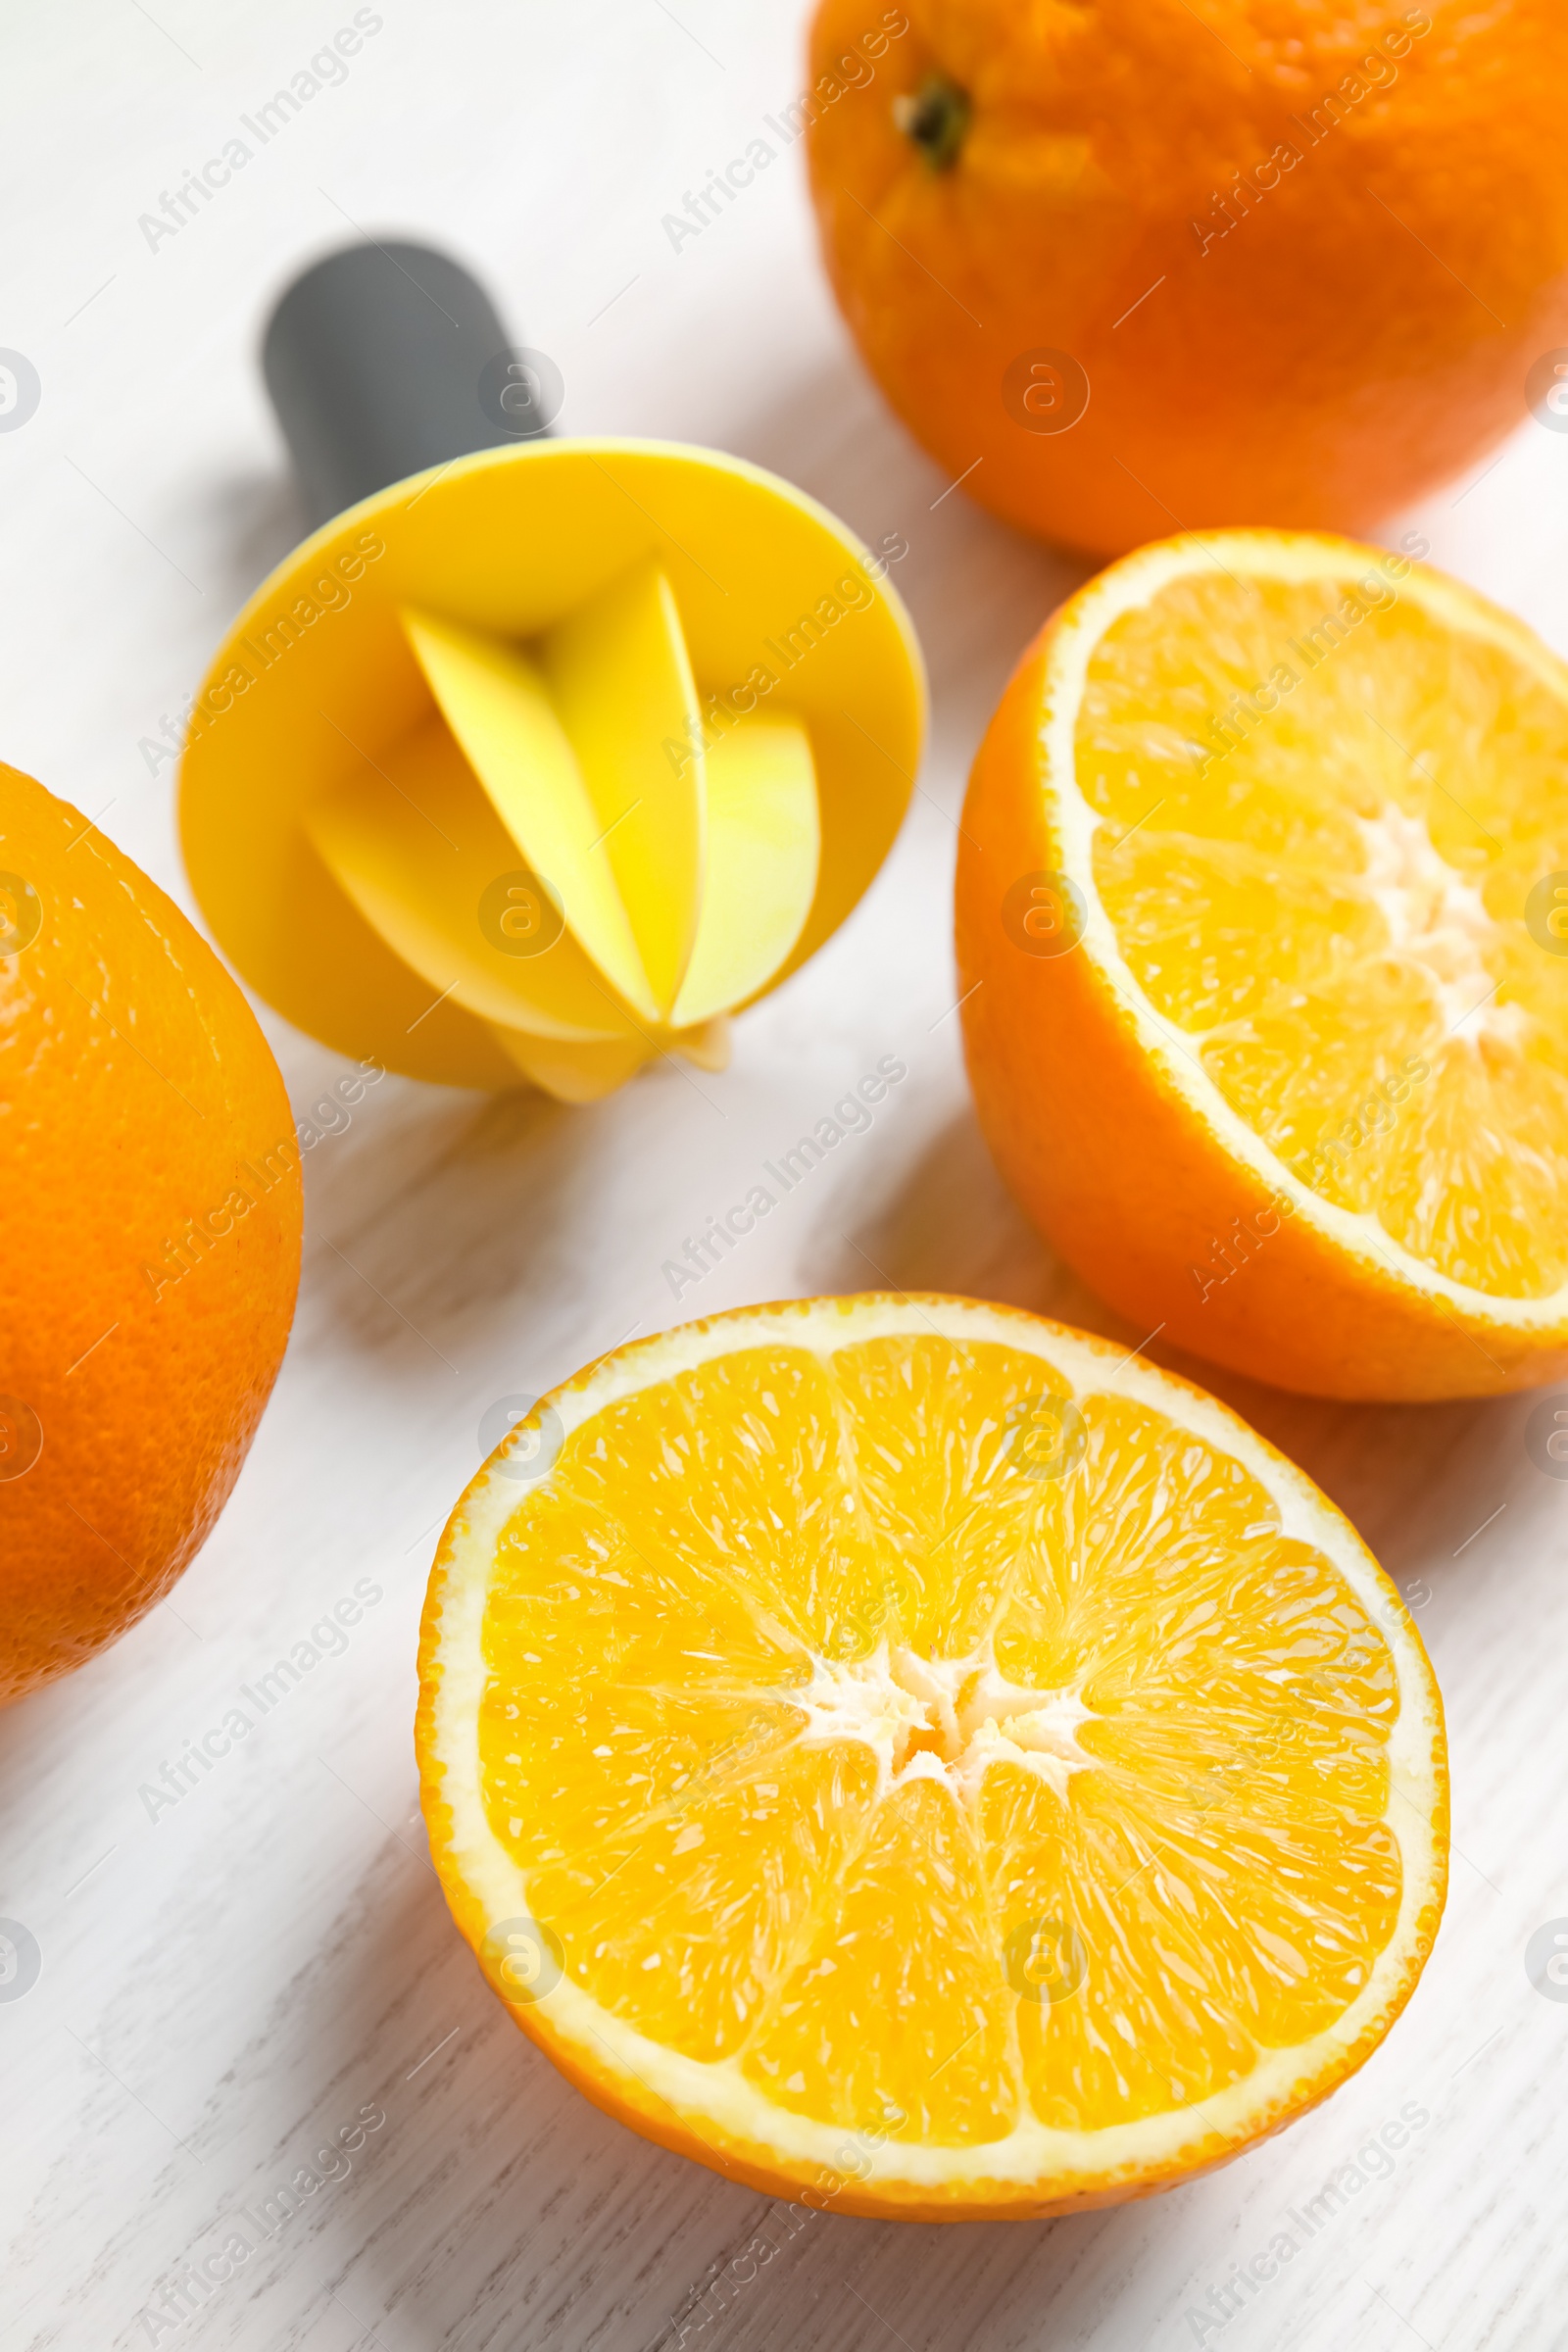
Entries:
{"x":451,"y":1214}
{"x":247,"y":523}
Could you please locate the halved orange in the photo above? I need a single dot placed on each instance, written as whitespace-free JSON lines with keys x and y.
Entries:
{"x":907,"y":1754}
{"x":1264,"y":928}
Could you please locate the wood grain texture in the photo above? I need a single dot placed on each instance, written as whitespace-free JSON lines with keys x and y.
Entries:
{"x":228,"y":1986}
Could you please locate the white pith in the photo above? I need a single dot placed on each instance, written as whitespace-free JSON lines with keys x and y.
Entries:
{"x":1438,"y":924}
{"x":883,"y":1703}
{"x":974,"y":1715}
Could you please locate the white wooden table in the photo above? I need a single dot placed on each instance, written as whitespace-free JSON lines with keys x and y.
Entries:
{"x":268,"y":1965}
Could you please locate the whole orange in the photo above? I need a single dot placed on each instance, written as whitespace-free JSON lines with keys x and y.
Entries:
{"x":1134,"y":265}
{"x":149,"y":1237}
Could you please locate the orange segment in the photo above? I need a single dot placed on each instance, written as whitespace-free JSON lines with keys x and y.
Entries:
{"x":910,"y":1719}
{"x":740,"y":1469}
{"x":684,"y":1927}
{"x":895,"y":2015}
